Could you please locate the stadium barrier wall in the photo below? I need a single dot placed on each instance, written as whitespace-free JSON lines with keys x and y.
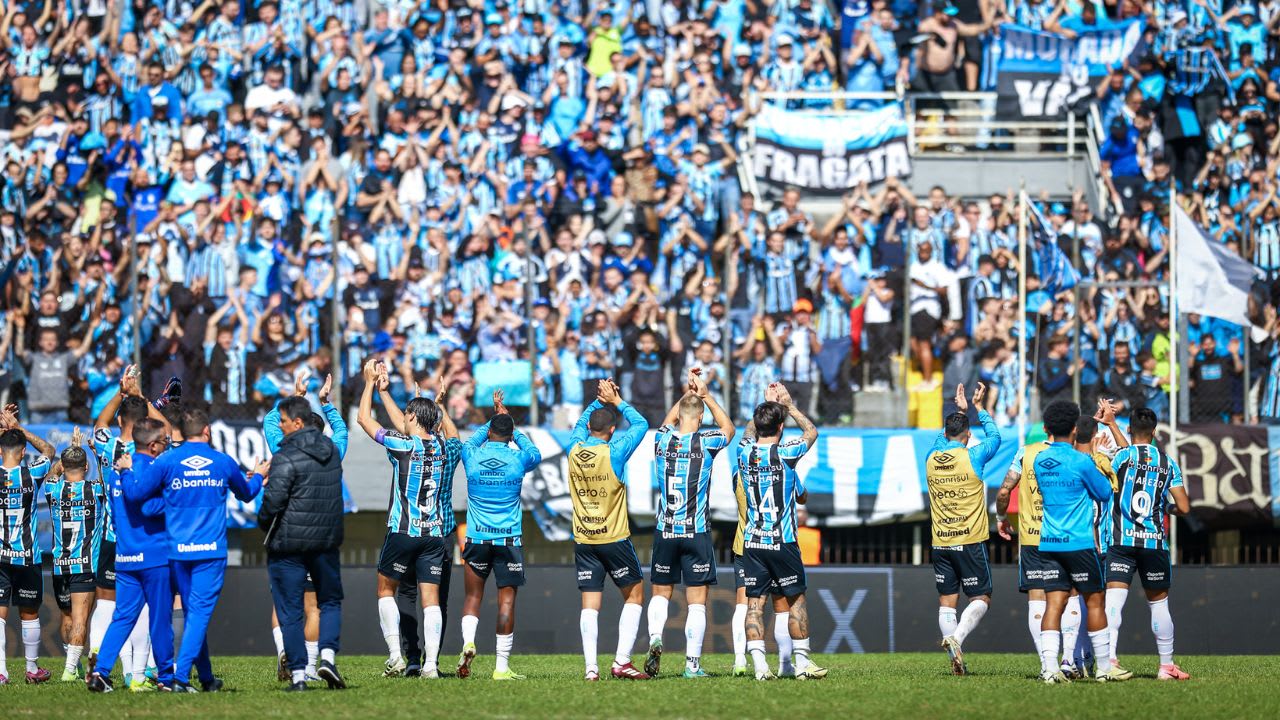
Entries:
{"x":1217,"y":610}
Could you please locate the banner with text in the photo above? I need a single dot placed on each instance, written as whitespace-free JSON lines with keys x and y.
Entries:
{"x":1041,"y":75}
{"x":827,"y":153}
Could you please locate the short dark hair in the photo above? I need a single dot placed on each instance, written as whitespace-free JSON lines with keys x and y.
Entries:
{"x":194,"y":422}
{"x":172,"y":411}
{"x":132,"y":409}
{"x":425,"y":411}
{"x":1143,"y":421}
{"x":12,"y":439}
{"x":602,"y":419}
{"x":146,"y":431}
{"x":75,"y":458}
{"x":502,"y":426}
{"x":1060,"y":418}
{"x":768,"y":417}
{"x":957,"y":424}
{"x":314,"y":420}
{"x":1086,"y":428}
{"x":295,"y":408}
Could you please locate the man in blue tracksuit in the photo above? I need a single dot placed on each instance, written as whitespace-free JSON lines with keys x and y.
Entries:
{"x":142,"y":565}
{"x":194,"y":479}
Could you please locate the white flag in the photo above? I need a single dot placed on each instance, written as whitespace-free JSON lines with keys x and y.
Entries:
{"x":1212,"y":280}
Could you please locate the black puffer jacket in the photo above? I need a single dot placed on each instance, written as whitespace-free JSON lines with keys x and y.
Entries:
{"x":302,"y":505}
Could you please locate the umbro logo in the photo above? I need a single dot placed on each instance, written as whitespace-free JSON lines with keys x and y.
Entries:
{"x":1049,"y":463}
{"x":944,"y":458}
{"x":196,"y":462}
{"x":585,"y":456}
{"x":492,"y":464}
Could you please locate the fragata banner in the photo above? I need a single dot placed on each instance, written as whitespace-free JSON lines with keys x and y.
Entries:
{"x":823,"y":153}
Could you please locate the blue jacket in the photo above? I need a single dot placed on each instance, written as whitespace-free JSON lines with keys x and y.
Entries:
{"x":495,"y":473}
{"x":1076,"y":499}
{"x":141,"y":539}
{"x":194,"y":479}
{"x":624,"y":442}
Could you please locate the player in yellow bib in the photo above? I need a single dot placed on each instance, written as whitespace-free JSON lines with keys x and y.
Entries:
{"x":601,"y":530}
{"x":958,"y":511}
{"x":1021,"y":478}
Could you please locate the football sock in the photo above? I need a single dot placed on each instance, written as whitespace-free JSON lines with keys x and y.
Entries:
{"x":1100,"y":639}
{"x":431,"y":621}
{"x":139,"y":644}
{"x":739,"y":627}
{"x":1115,"y":614}
{"x":628,"y":626}
{"x":969,"y":619}
{"x":31,"y":643}
{"x":756,"y":649}
{"x":73,"y":657}
{"x":277,"y":636}
{"x":782,"y":636}
{"x":1035,"y":612}
{"x":313,"y":650}
{"x":1070,"y":629}
{"x":329,"y":655}
{"x":1162,"y":628}
{"x":695,"y":628}
{"x":469,"y":625}
{"x":588,"y":627}
{"x":947,"y":621}
{"x":504,"y":652}
{"x":299,"y":676}
{"x":4,"y":652}
{"x":99,"y":621}
{"x":1050,"y":644}
{"x":657,"y":617}
{"x":389,"y":619}
{"x":802,"y":654}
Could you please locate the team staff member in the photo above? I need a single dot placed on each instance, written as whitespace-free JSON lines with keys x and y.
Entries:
{"x":143,"y":594}
{"x":194,"y":479}
{"x":958,"y":514}
{"x":598,"y":456}
{"x":495,"y":473}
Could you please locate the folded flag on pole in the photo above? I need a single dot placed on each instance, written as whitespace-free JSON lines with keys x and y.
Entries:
{"x":1212,"y":280}
{"x":1054,"y":267}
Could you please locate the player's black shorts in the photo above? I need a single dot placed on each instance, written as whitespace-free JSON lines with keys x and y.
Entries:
{"x":1152,"y":565}
{"x":21,"y":585}
{"x":424,"y":556}
{"x":962,"y":568}
{"x":1030,"y":569}
{"x":774,"y":570}
{"x":691,"y":556}
{"x":105,"y":577}
{"x":1079,"y":569}
{"x":618,"y":560}
{"x":64,"y":586}
{"x":739,"y":573}
{"x":506,"y":562}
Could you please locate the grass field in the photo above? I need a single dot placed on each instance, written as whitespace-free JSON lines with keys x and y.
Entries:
{"x":915,"y":685}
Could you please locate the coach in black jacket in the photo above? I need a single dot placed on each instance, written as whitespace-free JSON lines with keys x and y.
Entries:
{"x":302,"y":515}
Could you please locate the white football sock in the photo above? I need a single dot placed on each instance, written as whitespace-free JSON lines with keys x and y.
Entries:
{"x":126,"y":660}
{"x":1035,"y":613}
{"x":947,"y":621}
{"x":1070,"y":630}
{"x":969,"y":619}
{"x":695,"y":628}
{"x":1100,"y":639}
{"x":73,"y":657}
{"x":782,"y":636}
{"x":4,"y":651}
{"x":313,"y":650}
{"x":139,"y":643}
{"x":277,"y":636}
{"x":1162,"y":628}
{"x":469,"y":625}
{"x":431,"y":621}
{"x":298,"y":676}
{"x":99,"y":621}
{"x":658,"y":607}
{"x":739,"y":628}
{"x":389,"y":619}
{"x":756,"y":649}
{"x":1050,"y":644}
{"x":504,"y":652}
{"x":802,"y":654}
{"x":1115,"y":613}
{"x":31,"y":643}
{"x":589,"y":628}
{"x":628,"y":626}
{"x":328,"y":655}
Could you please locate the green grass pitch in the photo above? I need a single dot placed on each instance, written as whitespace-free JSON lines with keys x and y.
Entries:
{"x":904,"y":685}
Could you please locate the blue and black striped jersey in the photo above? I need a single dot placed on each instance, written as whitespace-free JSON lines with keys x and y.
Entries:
{"x":1146,"y":475}
{"x":421,"y":483}
{"x":20,"y":545}
{"x":682,"y":477}
{"x":108,"y":448}
{"x":771,"y":485}
{"x":76,"y":514}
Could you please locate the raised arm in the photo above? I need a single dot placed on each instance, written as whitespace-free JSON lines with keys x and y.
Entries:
{"x":365,"y":414}
{"x":447,"y":428}
{"x":718,"y":414}
{"x":808,"y":430}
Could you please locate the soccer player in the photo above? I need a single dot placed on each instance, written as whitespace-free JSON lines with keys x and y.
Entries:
{"x":1022,"y":478}
{"x":682,"y":545}
{"x":771,"y":560}
{"x":598,"y":457}
{"x":21,"y":581}
{"x":194,"y":479}
{"x":958,"y":511}
{"x":143,"y":594}
{"x":420,"y":523}
{"x":76,"y":516}
{"x":1075,"y":496}
{"x":781,"y":616}
{"x":495,"y":474}
{"x":1148,"y":479}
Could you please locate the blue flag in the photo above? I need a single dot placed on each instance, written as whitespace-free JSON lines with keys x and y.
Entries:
{"x":1055,"y":268}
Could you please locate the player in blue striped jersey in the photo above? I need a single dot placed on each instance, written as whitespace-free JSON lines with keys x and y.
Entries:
{"x":682,"y":545}
{"x":76,"y":523}
{"x":424,"y":451}
{"x":771,"y":554}
{"x":21,"y":582}
{"x":1150,"y":487}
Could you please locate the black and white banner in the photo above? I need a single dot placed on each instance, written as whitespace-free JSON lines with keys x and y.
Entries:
{"x":823,"y":153}
{"x":1041,"y":75}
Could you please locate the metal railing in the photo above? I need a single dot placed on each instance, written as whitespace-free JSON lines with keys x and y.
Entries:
{"x":1093,"y":145}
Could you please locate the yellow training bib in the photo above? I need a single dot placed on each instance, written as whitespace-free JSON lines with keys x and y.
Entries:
{"x":957,"y":499}
{"x":599,"y":498}
{"x":1030,"y":504}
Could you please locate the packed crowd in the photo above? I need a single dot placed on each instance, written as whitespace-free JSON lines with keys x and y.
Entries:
{"x":221,"y":188}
